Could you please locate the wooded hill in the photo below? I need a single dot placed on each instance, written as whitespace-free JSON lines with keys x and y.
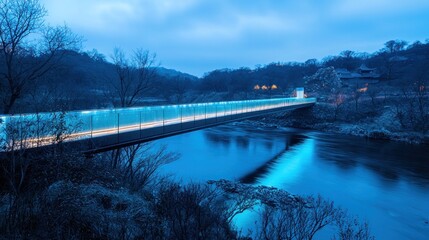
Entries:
{"x":84,"y":80}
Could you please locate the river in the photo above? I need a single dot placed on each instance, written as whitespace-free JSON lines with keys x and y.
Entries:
{"x":384,"y":183}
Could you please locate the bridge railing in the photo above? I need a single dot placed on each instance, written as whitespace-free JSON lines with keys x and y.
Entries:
{"x":33,"y":130}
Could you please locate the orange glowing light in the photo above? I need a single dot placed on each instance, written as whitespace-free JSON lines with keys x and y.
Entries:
{"x":362,"y":90}
{"x":264,"y":87}
{"x":273,"y":87}
{"x":256,"y":87}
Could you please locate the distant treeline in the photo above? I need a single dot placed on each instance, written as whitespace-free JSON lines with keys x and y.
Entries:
{"x":86,"y":79}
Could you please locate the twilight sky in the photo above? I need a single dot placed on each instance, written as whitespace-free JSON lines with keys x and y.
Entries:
{"x":198,"y":36}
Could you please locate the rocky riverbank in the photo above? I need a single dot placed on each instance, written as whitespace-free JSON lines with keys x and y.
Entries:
{"x":381,"y":127}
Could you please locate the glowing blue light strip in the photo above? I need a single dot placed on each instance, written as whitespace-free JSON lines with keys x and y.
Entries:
{"x":101,"y":122}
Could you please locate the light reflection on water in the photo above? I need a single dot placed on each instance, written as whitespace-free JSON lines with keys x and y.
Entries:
{"x":222,"y":152}
{"x":284,"y":173}
{"x":384,"y":183}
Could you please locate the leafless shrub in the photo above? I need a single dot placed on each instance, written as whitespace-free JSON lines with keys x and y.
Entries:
{"x":20,"y":134}
{"x":349,"y":228}
{"x":192,"y":212}
{"x":285,"y":216}
{"x":299,"y":221}
{"x":412,"y":107}
{"x":139,"y":163}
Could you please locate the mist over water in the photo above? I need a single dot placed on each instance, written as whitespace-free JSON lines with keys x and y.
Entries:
{"x":385,"y":183}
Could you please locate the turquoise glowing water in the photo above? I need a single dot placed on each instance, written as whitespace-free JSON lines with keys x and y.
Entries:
{"x":385,"y":183}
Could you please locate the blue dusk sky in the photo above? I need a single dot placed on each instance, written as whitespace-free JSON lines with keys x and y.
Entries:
{"x":198,"y":36}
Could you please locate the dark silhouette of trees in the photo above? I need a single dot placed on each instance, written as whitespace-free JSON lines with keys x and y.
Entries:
{"x":216,"y":81}
{"x":412,"y":106}
{"x":339,"y":100}
{"x":138,"y":164}
{"x":29,"y":48}
{"x":177,"y":88}
{"x":134,"y":76}
{"x":390,"y":56}
{"x":373,"y":92}
{"x":347,"y":59}
{"x":394,"y":46}
{"x":96,"y":56}
{"x":192,"y":212}
{"x":17,"y":161}
{"x":311,"y":65}
{"x":350,"y":59}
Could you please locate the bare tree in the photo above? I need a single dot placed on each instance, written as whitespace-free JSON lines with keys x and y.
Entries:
{"x":412,"y":108}
{"x":133,"y":79}
{"x":29,"y":48}
{"x":304,"y":220}
{"x":373,"y":92}
{"x":394,"y":46}
{"x":22,"y":132}
{"x":191,"y":212}
{"x":243,"y":197}
{"x":388,"y":54}
{"x":421,"y":93}
{"x":133,"y":76}
{"x":356,"y":95}
{"x":285,"y":216}
{"x":339,"y":99}
{"x":18,"y":134}
{"x":300,"y":221}
{"x":349,"y":59}
{"x":180,"y":87}
{"x":351,"y":228}
{"x":139,"y":163}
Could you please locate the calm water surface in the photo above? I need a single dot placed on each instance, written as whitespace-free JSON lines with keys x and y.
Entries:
{"x":385,"y":183}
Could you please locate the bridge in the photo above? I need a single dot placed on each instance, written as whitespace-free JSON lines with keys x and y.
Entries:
{"x":106,"y":129}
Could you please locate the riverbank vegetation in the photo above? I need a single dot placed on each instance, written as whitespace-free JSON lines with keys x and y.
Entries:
{"x":62,"y":195}
{"x":56,"y":193}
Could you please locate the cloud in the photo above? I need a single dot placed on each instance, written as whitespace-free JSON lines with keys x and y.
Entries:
{"x":191,"y":34}
{"x":94,"y":16}
{"x":353,"y":8}
{"x":162,"y":9}
{"x":115,"y":10}
{"x":231,"y":22}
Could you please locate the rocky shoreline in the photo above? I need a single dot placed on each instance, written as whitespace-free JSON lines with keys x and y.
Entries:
{"x":366,"y":130}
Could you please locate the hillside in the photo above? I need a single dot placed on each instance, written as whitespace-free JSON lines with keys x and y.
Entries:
{"x":86,"y":80}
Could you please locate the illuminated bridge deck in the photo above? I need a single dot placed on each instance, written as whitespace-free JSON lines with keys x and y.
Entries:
{"x":103,"y":130}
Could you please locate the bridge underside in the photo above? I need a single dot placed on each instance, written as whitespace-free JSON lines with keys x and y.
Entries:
{"x":110,"y":142}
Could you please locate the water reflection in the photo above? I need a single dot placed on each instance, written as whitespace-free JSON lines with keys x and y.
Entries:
{"x":390,"y":161}
{"x":242,"y":142}
{"x":268,"y":144}
{"x":286,"y":167}
{"x":216,"y":138}
{"x":222,"y":152}
{"x":241,"y":138}
{"x":290,"y":150}
{"x":385,"y":183}
{"x":371,"y":179}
